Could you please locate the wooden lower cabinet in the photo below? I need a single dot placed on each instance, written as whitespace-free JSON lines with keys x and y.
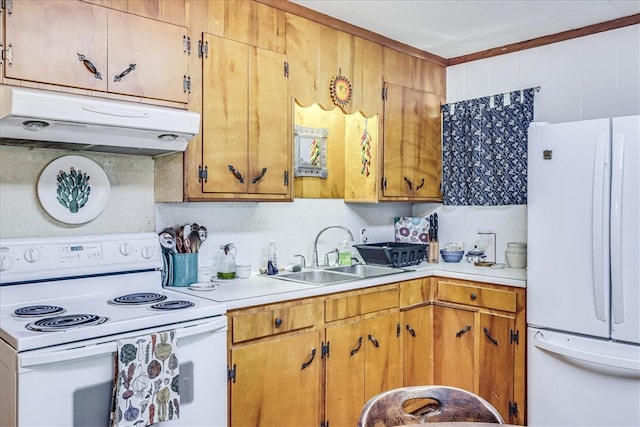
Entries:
{"x":417,"y":330}
{"x":478,"y":343}
{"x":271,"y":386}
{"x":365,"y":358}
{"x":316,"y":362}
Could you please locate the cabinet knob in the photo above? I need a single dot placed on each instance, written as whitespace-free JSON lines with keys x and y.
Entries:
{"x":474,"y":296}
{"x":278,"y":322}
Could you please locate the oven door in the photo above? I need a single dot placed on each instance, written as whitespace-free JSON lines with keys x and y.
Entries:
{"x":72,"y":385}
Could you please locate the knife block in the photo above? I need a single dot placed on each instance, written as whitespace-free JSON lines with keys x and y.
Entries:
{"x":433,"y":254}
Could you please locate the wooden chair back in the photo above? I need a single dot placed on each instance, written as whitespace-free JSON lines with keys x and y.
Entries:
{"x":426,"y":404}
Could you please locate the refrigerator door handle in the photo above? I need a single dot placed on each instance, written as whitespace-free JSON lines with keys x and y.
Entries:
{"x":599,"y":253}
{"x":574,"y":353}
{"x":617,"y":169}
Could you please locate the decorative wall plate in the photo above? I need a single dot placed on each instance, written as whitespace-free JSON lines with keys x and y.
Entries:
{"x":73,"y":189}
{"x":340,"y":90}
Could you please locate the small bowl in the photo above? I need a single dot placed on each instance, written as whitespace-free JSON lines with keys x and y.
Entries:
{"x":451,"y":256}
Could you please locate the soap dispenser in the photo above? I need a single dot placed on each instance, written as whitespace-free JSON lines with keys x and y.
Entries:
{"x":227,"y":262}
{"x":344,"y":255}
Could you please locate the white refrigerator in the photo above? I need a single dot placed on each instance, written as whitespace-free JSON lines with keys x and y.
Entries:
{"x":583,"y":273}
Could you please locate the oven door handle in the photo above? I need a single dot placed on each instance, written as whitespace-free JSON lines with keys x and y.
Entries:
{"x":46,"y":356}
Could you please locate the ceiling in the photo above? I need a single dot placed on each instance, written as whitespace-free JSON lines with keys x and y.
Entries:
{"x":452,"y":28}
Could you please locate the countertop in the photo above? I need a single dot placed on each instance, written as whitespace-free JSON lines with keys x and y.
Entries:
{"x":260,"y":289}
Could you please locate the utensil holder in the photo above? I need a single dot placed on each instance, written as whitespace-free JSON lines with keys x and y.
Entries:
{"x":185,"y":269}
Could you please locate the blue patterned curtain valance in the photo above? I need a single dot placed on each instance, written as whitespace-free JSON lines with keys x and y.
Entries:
{"x":484,"y":149}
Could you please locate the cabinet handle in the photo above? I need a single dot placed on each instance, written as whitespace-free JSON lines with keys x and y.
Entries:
{"x":421,"y":185}
{"x":236,"y":174}
{"x":473,"y":296}
{"x":408,"y":183}
{"x":307,"y":363}
{"x":411,"y":331}
{"x":374,"y":341}
{"x":489,"y":337}
{"x":355,"y":350}
{"x":278,"y":322}
{"x":129,"y":69}
{"x":461,"y":332}
{"x":259,"y":177}
{"x":89,"y":66}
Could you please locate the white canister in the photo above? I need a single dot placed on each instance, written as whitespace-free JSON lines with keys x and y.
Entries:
{"x":204,"y":275}
{"x":243,"y":271}
{"x":516,"y":254}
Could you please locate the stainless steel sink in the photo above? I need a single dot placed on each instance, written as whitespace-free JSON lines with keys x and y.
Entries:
{"x":317,"y":277}
{"x":365,"y":270}
{"x":333,"y":275}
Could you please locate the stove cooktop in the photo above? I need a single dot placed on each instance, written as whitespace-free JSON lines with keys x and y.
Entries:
{"x":82,"y":282}
{"x":178,"y":307}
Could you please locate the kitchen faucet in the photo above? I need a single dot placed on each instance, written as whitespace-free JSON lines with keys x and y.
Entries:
{"x":314,"y":257}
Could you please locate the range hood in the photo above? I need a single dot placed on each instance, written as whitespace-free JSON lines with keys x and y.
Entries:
{"x":46,"y":119}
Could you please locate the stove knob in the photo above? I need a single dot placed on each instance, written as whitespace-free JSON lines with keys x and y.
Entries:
{"x":125,"y":249}
{"x":32,"y":255}
{"x":147,"y":252}
{"x":5,"y":262}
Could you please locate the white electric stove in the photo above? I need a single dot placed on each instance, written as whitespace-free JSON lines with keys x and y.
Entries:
{"x":65,"y":303}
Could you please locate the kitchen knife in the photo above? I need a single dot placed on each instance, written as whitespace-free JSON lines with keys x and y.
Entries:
{"x":435,"y":227}
{"x":431,"y":229}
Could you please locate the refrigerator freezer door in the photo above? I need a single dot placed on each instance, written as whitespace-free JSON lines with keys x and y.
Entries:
{"x":568,"y":232}
{"x":625,"y":231}
{"x":578,"y":381}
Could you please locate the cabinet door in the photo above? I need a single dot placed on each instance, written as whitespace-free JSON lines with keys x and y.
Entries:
{"x":453,"y":347}
{"x":496,"y":357}
{"x":383,"y":354}
{"x":146,"y":57}
{"x":272,"y":388}
{"x":345,"y":375}
{"x":58,"y":42}
{"x":225,"y":109}
{"x":269,"y":110}
{"x":412,"y":153}
{"x":418,"y":348}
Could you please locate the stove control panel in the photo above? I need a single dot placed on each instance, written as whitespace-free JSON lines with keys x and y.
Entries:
{"x":56,"y":257}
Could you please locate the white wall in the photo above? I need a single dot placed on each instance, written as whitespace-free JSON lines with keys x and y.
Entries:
{"x":130,"y":207}
{"x":585,"y":78}
{"x":293,"y":226}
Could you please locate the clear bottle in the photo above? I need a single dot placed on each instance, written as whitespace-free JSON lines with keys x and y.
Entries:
{"x":344,"y":254}
{"x":272,"y":261}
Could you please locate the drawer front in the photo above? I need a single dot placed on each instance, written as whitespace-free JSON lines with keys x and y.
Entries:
{"x":477,"y":296}
{"x":276,"y":321}
{"x":356,"y":304}
{"x":414,"y":292}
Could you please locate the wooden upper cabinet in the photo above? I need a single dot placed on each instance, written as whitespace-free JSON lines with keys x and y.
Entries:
{"x":366,"y":78}
{"x":255,"y":24}
{"x":81,"y":45}
{"x":412,"y":150}
{"x":147,"y":58}
{"x":317,"y":54}
{"x":303,"y":45}
{"x":246,"y":146}
{"x":58,"y":42}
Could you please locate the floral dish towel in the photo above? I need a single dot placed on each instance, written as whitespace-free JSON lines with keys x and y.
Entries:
{"x":411,"y":230}
{"x":146,"y":384}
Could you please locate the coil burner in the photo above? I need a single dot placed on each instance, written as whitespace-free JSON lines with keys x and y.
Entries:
{"x":69,"y":321}
{"x":139,"y":298}
{"x":38,"y":311}
{"x":172,"y":305}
